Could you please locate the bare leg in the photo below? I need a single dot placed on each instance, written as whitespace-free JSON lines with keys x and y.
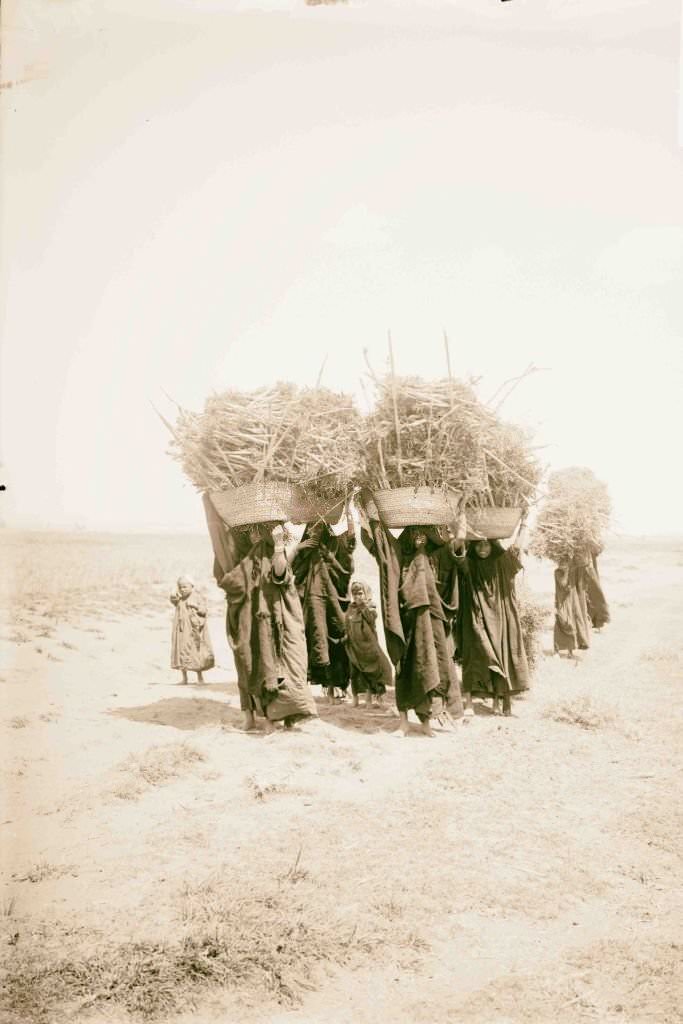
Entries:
{"x":268,"y":727}
{"x":184,"y":679}
{"x":495,"y":705}
{"x":368,"y":699}
{"x":200,"y":677}
{"x":469,"y":710}
{"x":329,"y":690}
{"x":249,"y":722}
{"x":403,"y":726}
{"x":354,"y":700}
{"x":507,"y":704}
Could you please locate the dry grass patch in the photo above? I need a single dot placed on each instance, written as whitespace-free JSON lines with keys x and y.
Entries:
{"x":272,"y":939}
{"x":158,"y":766}
{"x":19,"y":722}
{"x":583,"y":711}
{"x":44,"y":870}
{"x":609,"y":982}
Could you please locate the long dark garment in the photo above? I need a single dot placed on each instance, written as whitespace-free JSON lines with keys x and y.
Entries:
{"x":370,"y":667}
{"x":490,"y":643}
{"x":264,"y":623}
{"x":323,"y":566}
{"x":572,"y":627}
{"x":598,"y":609}
{"x":419,"y":594}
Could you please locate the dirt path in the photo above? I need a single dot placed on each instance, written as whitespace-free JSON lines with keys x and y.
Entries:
{"x":519,"y":870}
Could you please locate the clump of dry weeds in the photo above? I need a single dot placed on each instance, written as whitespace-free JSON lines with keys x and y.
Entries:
{"x":155,"y":767}
{"x":583,"y":711}
{"x":273,"y":938}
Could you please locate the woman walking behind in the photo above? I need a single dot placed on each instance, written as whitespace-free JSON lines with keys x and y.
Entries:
{"x":572,"y":626}
{"x":489,"y":641}
{"x":370,"y":668}
{"x":191,"y":649}
{"x":596,"y":602}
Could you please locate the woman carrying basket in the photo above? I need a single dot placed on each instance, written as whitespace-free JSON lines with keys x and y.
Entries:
{"x":489,"y":640}
{"x":265,"y":624}
{"x":322,"y":567}
{"x":419,"y":597}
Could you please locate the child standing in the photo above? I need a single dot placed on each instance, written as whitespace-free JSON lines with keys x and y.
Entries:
{"x":191,"y":649}
{"x":370,"y":667}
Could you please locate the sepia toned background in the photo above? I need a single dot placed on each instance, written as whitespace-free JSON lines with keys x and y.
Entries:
{"x":204,"y":194}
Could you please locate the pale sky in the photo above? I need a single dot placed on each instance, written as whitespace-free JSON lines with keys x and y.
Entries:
{"x":199,"y":194}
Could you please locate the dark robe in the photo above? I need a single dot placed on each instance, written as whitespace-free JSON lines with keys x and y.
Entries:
{"x":419,"y":599}
{"x":370,"y":667}
{"x":598,"y":609}
{"x":265,"y":624}
{"x":490,"y":641}
{"x":572,"y":629}
{"x":323,"y":567}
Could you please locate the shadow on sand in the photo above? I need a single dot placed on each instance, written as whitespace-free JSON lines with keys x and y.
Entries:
{"x":188,"y":713}
{"x":183,"y":713}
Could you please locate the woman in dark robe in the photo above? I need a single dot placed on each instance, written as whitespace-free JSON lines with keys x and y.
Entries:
{"x":598,"y":609}
{"x":489,"y":639}
{"x":572,"y":627}
{"x":419,"y":594}
{"x":322,"y":567}
{"x":264,"y":622}
{"x":370,"y":668}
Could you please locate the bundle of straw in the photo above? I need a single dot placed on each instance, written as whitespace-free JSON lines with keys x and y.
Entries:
{"x":438,"y":434}
{"x":511,"y":471}
{"x":423,"y":433}
{"x":573,"y":517}
{"x":311,"y":437}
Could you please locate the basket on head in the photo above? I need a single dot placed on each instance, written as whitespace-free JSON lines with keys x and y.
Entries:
{"x":263,"y":501}
{"x":415,"y":506}
{"x":492,"y":523}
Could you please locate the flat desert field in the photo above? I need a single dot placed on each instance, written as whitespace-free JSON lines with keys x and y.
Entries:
{"x":159,"y":864}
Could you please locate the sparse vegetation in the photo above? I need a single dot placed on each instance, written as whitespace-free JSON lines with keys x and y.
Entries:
{"x":583,"y":711}
{"x":522,"y":869}
{"x":156,"y":767}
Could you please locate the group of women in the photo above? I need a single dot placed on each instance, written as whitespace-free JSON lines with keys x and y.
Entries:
{"x":451,"y":620}
{"x":452,"y":624}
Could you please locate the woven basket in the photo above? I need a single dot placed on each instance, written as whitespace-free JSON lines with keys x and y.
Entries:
{"x":264,"y":501}
{"x":492,"y":523}
{"x":415,"y":506}
{"x":270,"y":501}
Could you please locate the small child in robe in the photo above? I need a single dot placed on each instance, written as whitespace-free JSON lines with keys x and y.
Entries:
{"x":370,"y":668}
{"x":191,"y":649}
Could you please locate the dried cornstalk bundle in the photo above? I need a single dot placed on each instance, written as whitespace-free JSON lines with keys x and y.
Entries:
{"x":437,"y":433}
{"x":573,"y":517}
{"x":511,"y":470}
{"x":308,"y":436}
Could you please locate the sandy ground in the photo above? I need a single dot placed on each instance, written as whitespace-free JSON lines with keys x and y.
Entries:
{"x":523,"y":869}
